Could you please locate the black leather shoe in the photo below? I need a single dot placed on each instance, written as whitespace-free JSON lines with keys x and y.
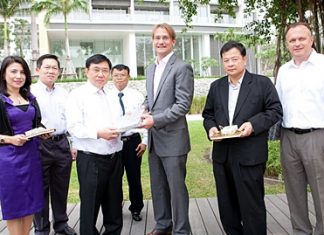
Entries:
{"x":137,"y":216}
{"x":67,"y":231}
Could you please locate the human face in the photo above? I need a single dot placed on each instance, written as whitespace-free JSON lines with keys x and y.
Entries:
{"x":234,"y":64}
{"x":120,"y":78}
{"x":15,"y":77}
{"x":48,"y":72}
{"x":299,"y":41}
{"x":98,"y":74}
{"x":162,"y":43}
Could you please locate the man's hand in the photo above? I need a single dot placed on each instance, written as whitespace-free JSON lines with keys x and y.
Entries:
{"x":74,"y":153}
{"x":246,"y":129}
{"x":147,"y":121}
{"x":108,"y":133}
{"x":140,"y":149}
{"x":212,"y":132}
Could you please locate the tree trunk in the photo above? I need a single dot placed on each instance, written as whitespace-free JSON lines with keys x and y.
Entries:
{"x":301,"y":13}
{"x":5,"y":37}
{"x":316,"y":27}
{"x":69,"y":70}
{"x":34,"y":43}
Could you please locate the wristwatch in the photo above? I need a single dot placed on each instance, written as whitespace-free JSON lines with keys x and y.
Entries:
{"x":2,"y":140}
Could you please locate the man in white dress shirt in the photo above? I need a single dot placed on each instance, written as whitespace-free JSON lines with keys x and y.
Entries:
{"x":91,"y":121}
{"x":300,"y":85}
{"x":128,"y":101}
{"x":55,"y":151}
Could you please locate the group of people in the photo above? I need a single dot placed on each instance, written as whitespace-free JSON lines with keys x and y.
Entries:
{"x":35,"y":172}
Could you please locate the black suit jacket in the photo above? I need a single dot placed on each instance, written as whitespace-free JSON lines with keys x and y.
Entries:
{"x":257,"y":103}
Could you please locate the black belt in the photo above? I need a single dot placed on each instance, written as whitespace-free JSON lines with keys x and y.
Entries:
{"x":302,"y":131}
{"x":57,"y":137}
{"x":129,"y":137}
{"x":111,"y":156}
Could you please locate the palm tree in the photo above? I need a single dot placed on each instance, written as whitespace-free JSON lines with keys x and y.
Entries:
{"x":7,"y":9}
{"x":64,"y":7}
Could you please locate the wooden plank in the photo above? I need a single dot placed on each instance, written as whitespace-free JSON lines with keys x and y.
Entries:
{"x":127,"y":220}
{"x":196,"y":221}
{"x":214,"y":205}
{"x":208,"y":216}
{"x":138,"y":227}
{"x":273,"y":226}
{"x":150,"y":222}
{"x":279,"y":216}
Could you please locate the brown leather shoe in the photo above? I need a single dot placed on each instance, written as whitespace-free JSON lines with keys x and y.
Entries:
{"x":155,"y":232}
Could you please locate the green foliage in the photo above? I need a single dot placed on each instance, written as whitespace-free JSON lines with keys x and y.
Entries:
{"x":22,"y":34}
{"x":206,"y":63}
{"x":273,"y":165}
{"x":198,"y":104}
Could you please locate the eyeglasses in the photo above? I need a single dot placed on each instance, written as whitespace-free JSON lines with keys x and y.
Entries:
{"x":97,"y":71}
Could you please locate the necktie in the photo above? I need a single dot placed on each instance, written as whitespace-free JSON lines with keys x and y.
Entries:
{"x":120,"y":95}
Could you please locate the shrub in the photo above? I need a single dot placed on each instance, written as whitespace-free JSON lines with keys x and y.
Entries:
{"x":273,"y":165}
{"x":198,"y":104}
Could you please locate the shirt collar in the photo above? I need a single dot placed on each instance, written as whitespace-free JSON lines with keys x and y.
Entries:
{"x":165,"y":60}
{"x":94,"y":89}
{"x":312,"y":59}
{"x":44,"y":87}
{"x":239,"y":82}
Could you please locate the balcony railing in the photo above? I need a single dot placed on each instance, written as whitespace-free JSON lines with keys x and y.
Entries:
{"x":120,"y":16}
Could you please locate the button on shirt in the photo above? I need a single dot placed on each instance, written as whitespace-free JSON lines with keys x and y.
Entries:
{"x":88,"y":110}
{"x":233,"y":92}
{"x":133,"y":101}
{"x":159,"y":69}
{"x":301,"y":92}
{"x":52,"y":105}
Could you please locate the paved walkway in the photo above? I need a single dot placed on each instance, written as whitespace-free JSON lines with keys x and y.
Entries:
{"x":204,"y":217}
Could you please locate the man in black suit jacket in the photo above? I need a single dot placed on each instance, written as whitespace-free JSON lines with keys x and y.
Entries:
{"x":251,"y":102}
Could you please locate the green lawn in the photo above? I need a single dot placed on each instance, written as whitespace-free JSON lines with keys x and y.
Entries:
{"x":200,"y":179}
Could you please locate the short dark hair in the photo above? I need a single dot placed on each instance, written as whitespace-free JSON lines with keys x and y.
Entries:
{"x":97,"y":59}
{"x":25,"y":89}
{"x":40,"y":60}
{"x":120,"y":67}
{"x":233,"y":44}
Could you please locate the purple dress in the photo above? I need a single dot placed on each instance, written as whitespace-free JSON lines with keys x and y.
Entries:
{"x":21,"y":191}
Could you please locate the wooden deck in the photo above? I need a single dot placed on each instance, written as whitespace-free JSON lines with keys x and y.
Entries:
{"x":204,"y":217}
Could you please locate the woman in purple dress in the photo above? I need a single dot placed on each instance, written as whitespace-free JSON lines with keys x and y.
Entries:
{"x":21,"y":192}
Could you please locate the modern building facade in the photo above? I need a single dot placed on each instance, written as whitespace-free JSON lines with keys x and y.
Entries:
{"x":121,"y":29}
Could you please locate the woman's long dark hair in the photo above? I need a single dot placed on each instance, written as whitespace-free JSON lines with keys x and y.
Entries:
{"x":25,"y":89}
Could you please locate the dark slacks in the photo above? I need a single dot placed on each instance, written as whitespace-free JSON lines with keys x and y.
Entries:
{"x":132,"y":166}
{"x":56,"y":165}
{"x":100,"y":180}
{"x":240,"y":194}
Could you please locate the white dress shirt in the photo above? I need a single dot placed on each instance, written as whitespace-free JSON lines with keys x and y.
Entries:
{"x":52,"y":105}
{"x":160,"y":66}
{"x":233,"y":93}
{"x":88,"y":110}
{"x":301,"y":92}
{"x":132,"y":100}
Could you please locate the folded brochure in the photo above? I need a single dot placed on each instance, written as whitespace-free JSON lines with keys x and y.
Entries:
{"x":38,"y":131}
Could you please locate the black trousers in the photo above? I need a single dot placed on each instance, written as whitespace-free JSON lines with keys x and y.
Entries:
{"x":56,"y":165}
{"x":132,"y":165}
{"x":240,"y":195}
{"x":100,"y":180}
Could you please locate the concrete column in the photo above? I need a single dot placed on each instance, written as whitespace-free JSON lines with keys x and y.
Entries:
{"x":129,"y":52}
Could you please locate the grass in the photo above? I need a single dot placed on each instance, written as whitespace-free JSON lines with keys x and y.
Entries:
{"x":200,"y":179}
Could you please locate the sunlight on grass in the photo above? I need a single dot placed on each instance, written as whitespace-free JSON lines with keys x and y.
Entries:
{"x":200,"y":179}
